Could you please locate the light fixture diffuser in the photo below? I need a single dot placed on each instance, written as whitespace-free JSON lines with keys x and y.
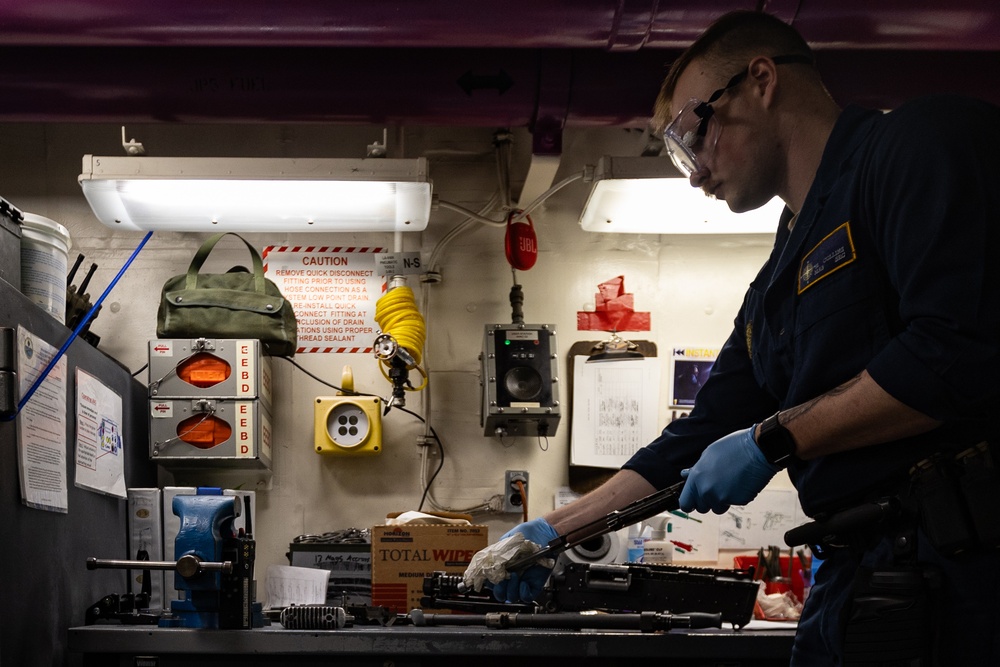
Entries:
{"x":646,"y":195}
{"x":258,"y":194}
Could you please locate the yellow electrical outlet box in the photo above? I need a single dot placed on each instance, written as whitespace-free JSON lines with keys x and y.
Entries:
{"x":348,"y":425}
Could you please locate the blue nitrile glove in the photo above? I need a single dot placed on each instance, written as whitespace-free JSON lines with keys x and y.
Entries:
{"x":526,"y":585}
{"x":731,"y":471}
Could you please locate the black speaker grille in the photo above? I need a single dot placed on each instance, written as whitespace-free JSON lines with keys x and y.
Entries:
{"x":523,"y":383}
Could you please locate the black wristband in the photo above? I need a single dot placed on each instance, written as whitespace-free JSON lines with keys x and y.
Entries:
{"x":775,"y":442}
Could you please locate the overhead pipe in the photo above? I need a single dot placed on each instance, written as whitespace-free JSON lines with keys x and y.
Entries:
{"x":531,"y":24}
{"x":474,"y":87}
{"x":612,"y":25}
{"x":514,"y":87}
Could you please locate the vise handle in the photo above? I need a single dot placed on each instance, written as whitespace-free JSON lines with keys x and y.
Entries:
{"x":187,"y":565}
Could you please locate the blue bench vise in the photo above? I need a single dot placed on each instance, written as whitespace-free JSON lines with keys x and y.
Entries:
{"x":222,"y":598}
{"x":213,"y":570}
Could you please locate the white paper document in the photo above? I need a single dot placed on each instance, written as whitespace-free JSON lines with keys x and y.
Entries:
{"x":41,"y":425}
{"x":614,"y":410}
{"x":287,"y":585}
{"x":100,"y":457}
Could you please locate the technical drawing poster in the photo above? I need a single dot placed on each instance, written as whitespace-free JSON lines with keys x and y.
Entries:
{"x":761,"y":523}
{"x":691,"y":366}
{"x":614,"y":410}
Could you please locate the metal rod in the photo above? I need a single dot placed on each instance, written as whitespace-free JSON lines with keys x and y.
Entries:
{"x":647,"y":621}
{"x":184,"y":564}
{"x":86,"y":280}
{"x":101,"y":563}
{"x":72,"y":272}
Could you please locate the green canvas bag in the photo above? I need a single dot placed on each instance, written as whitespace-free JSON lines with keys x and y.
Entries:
{"x":236,"y":304}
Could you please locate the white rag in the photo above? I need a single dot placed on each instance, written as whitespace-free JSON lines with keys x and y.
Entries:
{"x":419,"y":518}
{"x":490,"y":564}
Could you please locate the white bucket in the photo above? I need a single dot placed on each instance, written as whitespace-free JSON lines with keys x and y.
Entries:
{"x":45,"y":248}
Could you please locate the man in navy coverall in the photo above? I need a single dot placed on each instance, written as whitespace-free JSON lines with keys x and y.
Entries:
{"x":868,"y":341}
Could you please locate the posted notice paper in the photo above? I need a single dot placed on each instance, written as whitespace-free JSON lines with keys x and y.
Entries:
{"x":614,"y":410}
{"x":41,"y":425}
{"x":100,"y":457}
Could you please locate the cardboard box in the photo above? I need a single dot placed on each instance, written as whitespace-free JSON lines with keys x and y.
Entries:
{"x":350,"y":567}
{"x":402,"y":556}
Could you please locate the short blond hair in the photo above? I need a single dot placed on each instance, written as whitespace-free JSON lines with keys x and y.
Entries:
{"x":728,"y":44}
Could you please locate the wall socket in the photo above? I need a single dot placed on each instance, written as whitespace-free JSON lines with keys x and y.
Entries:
{"x":511,"y":495}
{"x":347,"y":425}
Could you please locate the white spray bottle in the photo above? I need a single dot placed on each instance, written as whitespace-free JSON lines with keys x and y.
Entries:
{"x":658,"y":550}
{"x":636,"y":541}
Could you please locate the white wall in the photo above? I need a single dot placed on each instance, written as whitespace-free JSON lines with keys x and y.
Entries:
{"x":691,"y":285}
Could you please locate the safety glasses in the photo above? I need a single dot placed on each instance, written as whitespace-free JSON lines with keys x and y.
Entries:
{"x":691,"y":136}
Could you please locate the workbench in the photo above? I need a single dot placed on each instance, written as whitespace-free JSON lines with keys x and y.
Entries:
{"x":406,"y":645}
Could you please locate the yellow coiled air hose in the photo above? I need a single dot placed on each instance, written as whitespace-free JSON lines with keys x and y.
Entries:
{"x":397,"y":315}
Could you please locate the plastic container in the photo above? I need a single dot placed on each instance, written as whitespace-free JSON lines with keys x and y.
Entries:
{"x":45,"y":248}
{"x":636,"y":541}
{"x":658,"y":550}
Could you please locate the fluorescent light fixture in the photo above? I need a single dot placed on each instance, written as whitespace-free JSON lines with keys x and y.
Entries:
{"x":258,"y":194}
{"x":647,"y":195}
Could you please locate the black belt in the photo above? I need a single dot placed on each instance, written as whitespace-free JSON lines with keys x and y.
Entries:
{"x":954,"y":497}
{"x":856,"y":526}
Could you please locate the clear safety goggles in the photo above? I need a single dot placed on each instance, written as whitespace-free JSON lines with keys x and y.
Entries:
{"x":691,"y":136}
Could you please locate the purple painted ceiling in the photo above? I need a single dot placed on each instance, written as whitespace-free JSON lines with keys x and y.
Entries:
{"x":470,"y":62}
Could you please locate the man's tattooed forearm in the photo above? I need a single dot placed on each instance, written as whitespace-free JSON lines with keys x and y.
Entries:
{"x":799,"y":410}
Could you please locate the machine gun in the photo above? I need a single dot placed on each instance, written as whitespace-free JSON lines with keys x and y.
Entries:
{"x":703,"y":593}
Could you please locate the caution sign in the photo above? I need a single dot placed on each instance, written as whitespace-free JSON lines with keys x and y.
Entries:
{"x":333,"y":291}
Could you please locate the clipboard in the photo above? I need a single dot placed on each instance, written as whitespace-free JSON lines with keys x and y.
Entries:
{"x":638,"y":367}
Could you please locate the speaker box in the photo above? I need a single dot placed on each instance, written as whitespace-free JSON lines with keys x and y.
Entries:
{"x":520,"y":395}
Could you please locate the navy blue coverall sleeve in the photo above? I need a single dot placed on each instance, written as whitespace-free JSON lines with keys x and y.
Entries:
{"x":935,"y":220}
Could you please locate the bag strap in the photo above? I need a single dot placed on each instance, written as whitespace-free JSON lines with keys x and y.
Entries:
{"x":191,"y":282}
